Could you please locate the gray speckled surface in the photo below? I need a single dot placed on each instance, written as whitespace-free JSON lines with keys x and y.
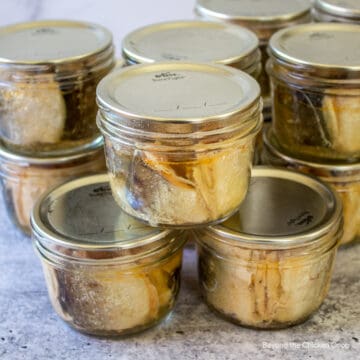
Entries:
{"x":29,"y":328}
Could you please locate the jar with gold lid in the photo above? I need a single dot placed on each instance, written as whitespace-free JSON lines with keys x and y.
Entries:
{"x":346,"y":11}
{"x":263,"y":17}
{"x":270,"y":264}
{"x":315,"y":74}
{"x":200,"y":41}
{"x":107,"y":274}
{"x":49,"y":71}
{"x":344,"y":178}
{"x":24,"y":179}
{"x":179,"y":140}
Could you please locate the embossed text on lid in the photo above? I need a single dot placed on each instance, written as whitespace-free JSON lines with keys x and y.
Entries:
{"x":323,"y":45}
{"x":283,"y":205}
{"x":265,"y":10}
{"x":189,"y":41}
{"x":345,"y":8}
{"x":183,"y":92}
{"x":51,"y":41}
{"x":83,"y":213}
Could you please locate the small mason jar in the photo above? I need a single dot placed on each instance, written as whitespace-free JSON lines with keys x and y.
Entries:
{"x":107,"y":274}
{"x":200,"y":41}
{"x":315,"y":75}
{"x":270,"y":264}
{"x":179,"y":140}
{"x":49,"y":71}
{"x":24,"y":178}
{"x":345,"y":11}
{"x":342,"y":177}
{"x":264,"y":17}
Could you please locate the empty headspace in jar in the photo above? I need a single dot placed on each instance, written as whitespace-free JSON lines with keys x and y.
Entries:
{"x":202,"y":41}
{"x":348,"y":9}
{"x":282,"y":210}
{"x":262,"y":16}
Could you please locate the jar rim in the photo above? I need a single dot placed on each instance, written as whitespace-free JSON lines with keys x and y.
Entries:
{"x":203,"y":9}
{"x":285,"y":44}
{"x":330,"y":223}
{"x":338,"y":9}
{"x":53,"y":158}
{"x":236,"y":93}
{"x":248,"y":42}
{"x":48,"y":228}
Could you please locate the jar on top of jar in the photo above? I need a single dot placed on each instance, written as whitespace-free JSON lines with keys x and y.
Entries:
{"x":179,"y":140}
{"x":49,"y":71}
{"x":270,"y":264}
{"x":107,"y":274}
{"x":345,"y":11}
{"x":199,"y":41}
{"x":344,"y":178}
{"x":24,"y":179}
{"x":315,"y":75}
{"x":263,"y":17}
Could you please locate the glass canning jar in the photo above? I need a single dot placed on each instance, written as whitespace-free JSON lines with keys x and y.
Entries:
{"x":270,"y":264}
{"x":179,"y":140}
{"x":200,"y":41}
{"x":342,"y":177}
{"x":23,"y":178}
{"x":264,"y":18}
{"x":346,"y":11}
{"x":107,"y":274}
{"x":49,"y":71}
{"x":315,"y":75}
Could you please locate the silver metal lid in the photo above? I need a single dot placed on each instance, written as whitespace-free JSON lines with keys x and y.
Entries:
{"x":82,"y":214}
{"x":324,"y":170}
{"x":283,"y":208}
{"x":201,"y":41}
{"x":323,"y":46}
{"x":87,"y":150}
{"x":177,"y":92}
{"x":342,"y":8}
{"x":51,"y":42}
{"x":262,"y":11}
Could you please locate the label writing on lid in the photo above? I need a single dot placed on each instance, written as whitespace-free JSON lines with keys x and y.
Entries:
{"x":167,"y":76}
{"x":303,"y":218}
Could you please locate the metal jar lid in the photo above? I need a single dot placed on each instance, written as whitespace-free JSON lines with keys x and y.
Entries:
{"x":172,"y":97}
{"x":52,"y":43}
{"x":86,"y":151}
{"x":201,"y":41}
{"x":283,"y":209}
{"x":334,"y":171}
{"x":340,"y":8}
{"x":255,"y":14}
{"x":83,"y":215}
{"x":324,"y":49}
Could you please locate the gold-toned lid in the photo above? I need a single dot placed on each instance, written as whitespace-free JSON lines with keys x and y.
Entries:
{"x":176,"y":92}
{"x":341,"y":8}
{"x":321,"y":47}
{"x":259,"y":12}
{"x":51,"y":42}
{"x":200,"y":41}
{"x":82,"y":214}
{"x":283,"y":209}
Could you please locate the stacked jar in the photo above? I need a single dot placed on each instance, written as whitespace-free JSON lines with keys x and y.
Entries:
{"x":49,"y":71}
{"x":264,"y":18}
{"x":199,"y":41}
{"x":315,"y":75}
